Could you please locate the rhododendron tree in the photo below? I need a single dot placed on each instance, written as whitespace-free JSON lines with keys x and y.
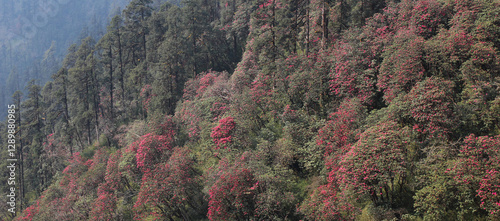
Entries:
{"x":232,"y":194}
{"x":480,"y":74}
{"x":431,"y":107}
{"x":376,"y":165}
{"x":75,"y":168}
{"x":206,"y":99}
{"x":204,"y":84}
{"x":476,"y":174}
{"x":95,"y":174}
{"x":63,"y":206}
{"x":340,"y":131}
{"x":170,"y":190}
{"x":489,"y":192}
{"x":336,"y":137}
{"x":30,"y":212}
{"x":354,"y":72}
{"x":222,"y":133}
{"x":151,"y":149}
{"x":113,"y":177}
{"x":425,"y":15}
{"x":402,"y":65}
{"x":328,"y":202}
{"x":462,"y":53}
{"x":104,"y":207}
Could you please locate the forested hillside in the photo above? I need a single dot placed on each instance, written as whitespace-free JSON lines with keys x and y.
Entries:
{"x":269,"y":110}
{"x":34,"y":36}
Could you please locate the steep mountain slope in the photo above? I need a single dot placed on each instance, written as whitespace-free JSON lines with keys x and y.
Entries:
{"x":271,"y":110}
{"x":35,"y":35}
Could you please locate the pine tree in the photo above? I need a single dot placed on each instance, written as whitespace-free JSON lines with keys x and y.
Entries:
{"x":83,"y":94}
{"x":32,"y":110}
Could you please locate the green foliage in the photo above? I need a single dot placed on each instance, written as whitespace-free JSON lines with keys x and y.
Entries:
{"x":269,"y":110}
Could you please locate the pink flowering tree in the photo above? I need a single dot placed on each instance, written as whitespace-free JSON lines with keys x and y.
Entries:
{"x":232,"y":194}
{"x":206,"y":99}
{"x":170,"y":190}
{"x":155,"y":146}
{"x":402,"y":66}
{"x":476,"y":174}
{"x":30,"y":212}
{"x":430,"y":106}
{"x":222,"y":133}
{"x":151,"y":149}
{"x":489,"y":193}
{"x":104,"y":207}
{"x":353,"y":74}
{"x":376,"y":165}
{"x":328,"y":202}
{"x":340,"y":131}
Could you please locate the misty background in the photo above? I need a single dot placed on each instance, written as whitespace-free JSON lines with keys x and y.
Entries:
{"x":35,"y":35}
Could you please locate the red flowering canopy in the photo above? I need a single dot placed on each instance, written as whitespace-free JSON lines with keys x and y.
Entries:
{"x":222,"y":132}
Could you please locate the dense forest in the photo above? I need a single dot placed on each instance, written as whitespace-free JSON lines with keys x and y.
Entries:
{"x":34,"y":36}
{"x":268,"y":110}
